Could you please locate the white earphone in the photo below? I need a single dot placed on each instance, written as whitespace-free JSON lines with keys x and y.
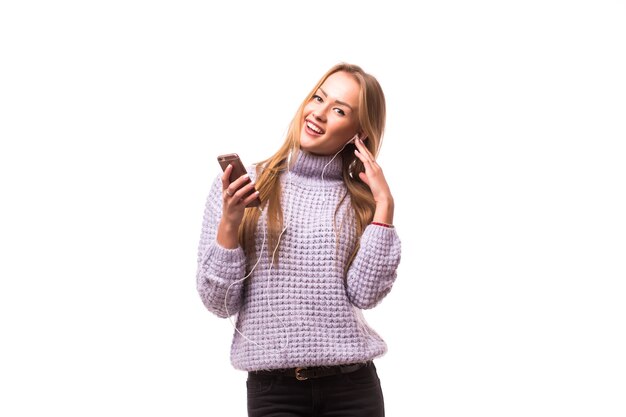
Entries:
{"x":355,"y":137}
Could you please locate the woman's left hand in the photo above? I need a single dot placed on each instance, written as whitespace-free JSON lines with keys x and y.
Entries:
{"x":374,"y":178}
{"x":373,"y":175}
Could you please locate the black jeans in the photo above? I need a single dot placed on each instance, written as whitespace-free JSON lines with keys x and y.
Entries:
{"x":355,"y":394}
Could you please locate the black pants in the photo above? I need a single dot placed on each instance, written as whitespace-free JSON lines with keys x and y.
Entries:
{"x":355,"y":394}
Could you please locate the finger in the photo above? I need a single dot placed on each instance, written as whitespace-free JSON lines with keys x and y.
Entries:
{"x":226,"y":176}
{"x":362,"y":157}
{"x":364,"y":178}
{"x":236,"y":196}
{"x":239,"y":182}
{"x":363,"y":149}
{"x":250,"y":198}
{"x":243,"y":191}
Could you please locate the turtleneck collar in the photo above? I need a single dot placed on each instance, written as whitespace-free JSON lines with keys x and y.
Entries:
{"x":310,"y":165}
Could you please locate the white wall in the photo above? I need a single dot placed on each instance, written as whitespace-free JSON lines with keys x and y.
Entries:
{"x":504,"y":150}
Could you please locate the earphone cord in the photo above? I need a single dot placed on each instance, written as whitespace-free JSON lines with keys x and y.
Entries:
{"x":269,"y":272}
{"x":269,"y":275}
{"x":238,"y":281}
{"x":331,"y":160}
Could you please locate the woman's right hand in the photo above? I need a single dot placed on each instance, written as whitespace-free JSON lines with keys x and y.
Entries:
{"x":233,"y":207}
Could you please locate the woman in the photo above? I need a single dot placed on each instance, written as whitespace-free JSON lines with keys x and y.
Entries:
{"x":298,"y":270}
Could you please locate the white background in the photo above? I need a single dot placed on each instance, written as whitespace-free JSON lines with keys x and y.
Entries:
{"x":504,"y":150}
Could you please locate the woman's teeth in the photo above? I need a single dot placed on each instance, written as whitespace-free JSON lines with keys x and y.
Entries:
{"x":314,"y":128}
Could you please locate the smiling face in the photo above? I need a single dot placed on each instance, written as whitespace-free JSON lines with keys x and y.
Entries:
{"x":331,"y":115}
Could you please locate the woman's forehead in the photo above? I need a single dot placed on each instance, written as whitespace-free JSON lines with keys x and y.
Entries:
{"x":342,"y":86}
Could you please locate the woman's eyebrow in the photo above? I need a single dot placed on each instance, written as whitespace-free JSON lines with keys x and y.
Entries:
{"x":343,"y":103}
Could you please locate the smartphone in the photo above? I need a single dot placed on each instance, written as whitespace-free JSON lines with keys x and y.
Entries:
{"x":238,"y":170}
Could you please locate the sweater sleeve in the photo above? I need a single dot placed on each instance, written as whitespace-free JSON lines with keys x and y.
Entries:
{"x":220,"y":270}
{"x":373,"y":271}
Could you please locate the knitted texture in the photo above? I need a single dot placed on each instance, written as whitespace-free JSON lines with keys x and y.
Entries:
{"x":304,"y":310}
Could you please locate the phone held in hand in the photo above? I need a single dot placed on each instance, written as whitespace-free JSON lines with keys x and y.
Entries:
{"x":238,"y":170}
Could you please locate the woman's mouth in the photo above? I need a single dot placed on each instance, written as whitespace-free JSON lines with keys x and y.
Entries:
{"x":313,"y":128}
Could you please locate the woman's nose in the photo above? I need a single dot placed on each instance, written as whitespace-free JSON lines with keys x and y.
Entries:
{"x":320,"y":113}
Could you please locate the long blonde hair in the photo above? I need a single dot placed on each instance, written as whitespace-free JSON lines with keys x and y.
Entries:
{"x":371,"y":116}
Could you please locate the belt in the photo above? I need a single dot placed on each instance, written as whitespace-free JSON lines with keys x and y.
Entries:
{"x":302,"y":374}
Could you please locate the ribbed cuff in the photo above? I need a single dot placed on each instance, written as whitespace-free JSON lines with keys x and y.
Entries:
{"x":227,"y":263}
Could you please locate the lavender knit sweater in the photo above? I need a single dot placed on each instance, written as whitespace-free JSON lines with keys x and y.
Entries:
{"x":303,"y":311}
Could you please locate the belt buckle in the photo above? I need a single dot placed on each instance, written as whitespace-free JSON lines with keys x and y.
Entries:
{"x":300,"y":377}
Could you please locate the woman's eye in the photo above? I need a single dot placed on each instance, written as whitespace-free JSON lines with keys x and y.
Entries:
{"x":317,"y":98}
{"x":341,"y":112}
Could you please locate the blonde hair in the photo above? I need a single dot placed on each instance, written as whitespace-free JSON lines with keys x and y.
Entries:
{"x":371,"y":117}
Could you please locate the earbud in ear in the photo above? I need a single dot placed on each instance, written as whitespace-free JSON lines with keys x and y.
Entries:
{"x":355,"y":137}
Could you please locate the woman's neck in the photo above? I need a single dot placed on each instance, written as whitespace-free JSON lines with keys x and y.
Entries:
{"x":311,"y":165}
